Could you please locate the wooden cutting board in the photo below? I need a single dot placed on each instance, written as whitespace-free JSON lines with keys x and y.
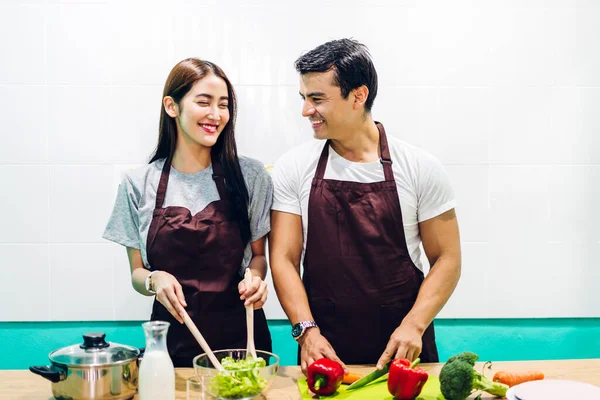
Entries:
{"x":374,"y":391}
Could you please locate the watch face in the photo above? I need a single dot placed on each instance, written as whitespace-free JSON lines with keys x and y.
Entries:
{"x":296,"y":330}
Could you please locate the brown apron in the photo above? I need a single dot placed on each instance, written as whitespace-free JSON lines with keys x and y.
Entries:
{"x":204,"y":252}
{"x":358,"y":274}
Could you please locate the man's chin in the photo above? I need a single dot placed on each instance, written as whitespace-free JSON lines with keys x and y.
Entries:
{"x":320,"y":135}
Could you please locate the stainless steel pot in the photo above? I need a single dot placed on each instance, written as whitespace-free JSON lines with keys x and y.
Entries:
{"x":94,"y":370}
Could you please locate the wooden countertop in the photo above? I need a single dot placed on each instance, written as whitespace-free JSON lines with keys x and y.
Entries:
{"x":24,"y":385}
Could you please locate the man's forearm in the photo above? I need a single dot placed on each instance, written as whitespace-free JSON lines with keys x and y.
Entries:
{"x":290,"y":290}
{"x":435,"y":291}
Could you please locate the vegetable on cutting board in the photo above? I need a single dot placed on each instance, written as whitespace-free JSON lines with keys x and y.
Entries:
{"x":405,"y":382}
{"x":351,"y":377}
{"x":514,"y":378}
{"x":458,"y":378}
{"x":324,"y":376}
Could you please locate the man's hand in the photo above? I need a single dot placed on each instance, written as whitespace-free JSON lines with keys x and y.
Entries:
{"x":405,"y":342}
{"x":315,"y":346}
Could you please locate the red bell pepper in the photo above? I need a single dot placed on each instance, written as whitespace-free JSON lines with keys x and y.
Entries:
{"x":405,"y":382}
{"x":324,"y":376}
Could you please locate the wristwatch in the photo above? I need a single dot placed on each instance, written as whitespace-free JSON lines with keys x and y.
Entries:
{"x":300,"y":328}
{"x":148,"y":283}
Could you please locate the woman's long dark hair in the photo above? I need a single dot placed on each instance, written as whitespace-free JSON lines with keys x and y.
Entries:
{"x":180,"y":81}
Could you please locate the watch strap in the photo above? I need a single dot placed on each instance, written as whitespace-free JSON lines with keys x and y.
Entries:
{"x":302,"y":326}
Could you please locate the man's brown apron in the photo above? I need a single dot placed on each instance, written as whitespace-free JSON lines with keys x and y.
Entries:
{"x":358,"y":274}
{"x":204,"y":252}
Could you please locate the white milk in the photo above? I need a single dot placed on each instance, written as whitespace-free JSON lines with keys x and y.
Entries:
{"x":156,"y":377}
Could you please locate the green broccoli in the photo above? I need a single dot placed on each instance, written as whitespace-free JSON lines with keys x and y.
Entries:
{"x":458,"y":378}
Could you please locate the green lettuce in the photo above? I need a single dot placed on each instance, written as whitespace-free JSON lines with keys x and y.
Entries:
{"x":242,"y":378}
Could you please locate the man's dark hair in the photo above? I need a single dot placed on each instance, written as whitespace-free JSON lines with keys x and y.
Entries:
{"x":351,"y":62}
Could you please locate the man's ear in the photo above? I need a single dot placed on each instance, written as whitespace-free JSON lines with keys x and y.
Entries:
{"x":170,"y":106}
{"x":360,"y":97}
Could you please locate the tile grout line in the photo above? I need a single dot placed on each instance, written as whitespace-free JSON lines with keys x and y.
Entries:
{"x":47,"y":137}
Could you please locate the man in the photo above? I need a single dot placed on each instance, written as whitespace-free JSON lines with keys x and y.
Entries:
{"x":358,"y":206}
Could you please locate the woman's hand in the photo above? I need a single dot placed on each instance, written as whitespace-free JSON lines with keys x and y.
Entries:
{"x":169,"y":293}
{"x":255,"y":294}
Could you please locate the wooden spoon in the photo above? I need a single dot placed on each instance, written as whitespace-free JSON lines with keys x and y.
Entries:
{"x":250,"y":349}
{"x":192,"y":327}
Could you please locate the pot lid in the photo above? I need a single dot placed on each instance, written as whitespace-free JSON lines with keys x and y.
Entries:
{"x":94,"y":351}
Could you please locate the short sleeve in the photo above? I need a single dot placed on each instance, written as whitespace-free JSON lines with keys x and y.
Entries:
{"x":259,"y":207}
{"x":435,"y":195}
{"x":286,"y":192}
{"x":123,"y":225}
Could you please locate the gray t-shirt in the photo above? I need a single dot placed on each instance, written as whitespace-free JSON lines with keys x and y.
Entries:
{"x":136,"y":198}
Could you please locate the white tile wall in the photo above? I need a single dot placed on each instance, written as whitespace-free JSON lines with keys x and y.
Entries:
{"x":140,"y":43}
{"x":26,"y":275}
{"x":128,"y":304}
{"x":406,"y":112}
{"x":77,"y":47}
{"x":78,"y":127}
{"x":505,"y":94}
{"x":25,"y":202}
{"x":22,"y":29}
{"x":81,"y":200}
{"x":574,"y":194}
{"x":81,"y":282}
{"x":472,"y":191}
{"x":260,"y":121}
{"x":519,"y":205}
{"x":461,"y":134}
{"x":132,"y":129}
{"x":474,"y":274}
{"x":24,"y":138}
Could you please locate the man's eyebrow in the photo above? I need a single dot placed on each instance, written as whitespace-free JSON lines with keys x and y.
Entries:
{"x":313,"y":94}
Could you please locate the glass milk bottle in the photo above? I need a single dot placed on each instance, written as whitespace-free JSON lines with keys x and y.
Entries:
{"x":157,"y":374}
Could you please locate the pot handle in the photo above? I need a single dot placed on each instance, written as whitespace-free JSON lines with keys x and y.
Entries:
{"x":50,"y":372}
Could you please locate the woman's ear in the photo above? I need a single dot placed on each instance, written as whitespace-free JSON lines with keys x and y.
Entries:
{"x":360,"y":97}
{"x":170,"y":106}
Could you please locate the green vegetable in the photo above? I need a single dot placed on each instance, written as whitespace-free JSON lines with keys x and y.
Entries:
{"x":242,"y":378}
{"x":458,"y":378}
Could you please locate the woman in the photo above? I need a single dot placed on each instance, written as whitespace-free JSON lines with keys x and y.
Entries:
{"x":196,"y":216}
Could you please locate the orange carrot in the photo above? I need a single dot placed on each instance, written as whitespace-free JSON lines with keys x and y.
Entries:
{"x":514,"y":378}
{"x":351,"y":377}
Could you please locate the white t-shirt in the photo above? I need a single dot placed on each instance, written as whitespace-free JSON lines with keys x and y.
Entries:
{"x":423,"y":185}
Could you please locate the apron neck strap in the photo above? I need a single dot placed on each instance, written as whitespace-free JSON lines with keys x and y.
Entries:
{"x":218,"y":177}
{"x":384,"y":150}
{"x":162,"y":184}
{"x":323,"y":161}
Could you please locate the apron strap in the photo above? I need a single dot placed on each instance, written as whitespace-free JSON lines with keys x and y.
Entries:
{"x":385,"y":159}
{"x":219,"y":178}
{"x":162,"y":184}
{"x":322,"y":165}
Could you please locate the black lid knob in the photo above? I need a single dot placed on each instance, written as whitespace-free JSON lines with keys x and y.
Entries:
{"x":94,"y":340}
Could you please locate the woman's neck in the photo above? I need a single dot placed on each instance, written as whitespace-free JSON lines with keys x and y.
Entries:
{"x":190,"y":157}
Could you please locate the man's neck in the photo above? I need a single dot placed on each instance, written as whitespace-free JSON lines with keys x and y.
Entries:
{"x":360,"y":144}
{"x":190,"y":158}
